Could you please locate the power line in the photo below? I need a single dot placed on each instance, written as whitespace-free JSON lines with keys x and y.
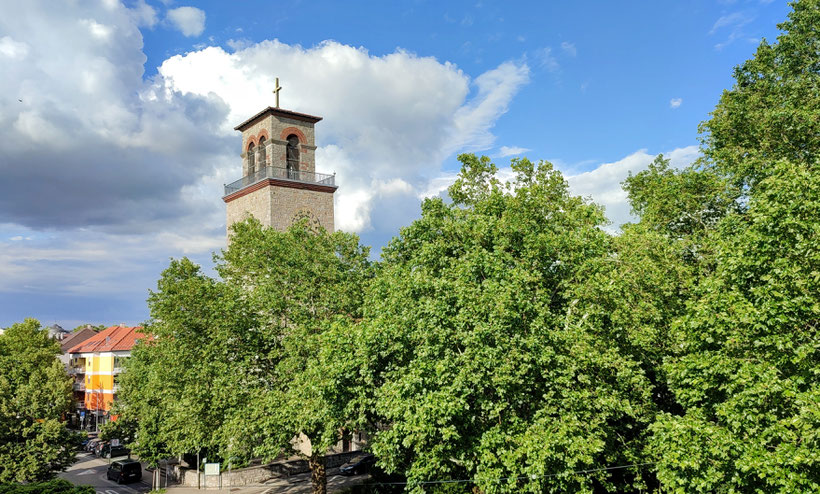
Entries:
{"x":523,"y":477}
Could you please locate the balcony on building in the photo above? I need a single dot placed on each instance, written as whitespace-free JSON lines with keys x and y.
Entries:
{"x":282,"y":174}
{"x":76,"y":366}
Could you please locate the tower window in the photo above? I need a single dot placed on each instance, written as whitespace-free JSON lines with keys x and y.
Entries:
{"x":263,"y":154}
{"x":251,"y":160}
{"x":293,"y":156}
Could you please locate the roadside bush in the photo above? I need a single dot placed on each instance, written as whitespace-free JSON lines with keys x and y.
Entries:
{"x":56,"y":486}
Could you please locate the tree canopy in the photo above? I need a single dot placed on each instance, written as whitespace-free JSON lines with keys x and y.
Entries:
{"x":237,"y":367}
{"x":35,"y":393}
{"x":507,"y":343}
{"x":478,"y":371}
{"x":745,"y":367}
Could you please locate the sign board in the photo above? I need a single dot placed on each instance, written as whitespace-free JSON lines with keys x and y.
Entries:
{"x":82,"y":415}
{"x":115,"y":442}
{"x":212,"y":469}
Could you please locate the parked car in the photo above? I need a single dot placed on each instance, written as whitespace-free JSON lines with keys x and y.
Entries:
{"x":114,"y":451}
{"x":88,"y":445}
{"x":122,"y":471}
{"x":98,"y":448}
{"x":358,"y":465}
{"x":91,"y":444}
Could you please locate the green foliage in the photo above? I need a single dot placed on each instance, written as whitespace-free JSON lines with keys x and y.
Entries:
{"x":682,"y":204}
{"x":478,"y":372}
{"x":747,"y":374}
{"x":55,"y":486}
{"x":630,"y":298}
{"x":744,"y":363}
{"x":35,"y":393}
{"x":95,"y":327}
{"x":773,"y":110}
{"x":124,"y":429}
{"x":305,"y":289}
{"x":179,"y":386}
{"x":235,"y":368}
{"x":506,"y":339}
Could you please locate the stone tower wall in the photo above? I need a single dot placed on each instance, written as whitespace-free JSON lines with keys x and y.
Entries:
{"x":277,"y":207}
{"x":278,"y":200}
{"x":276,"y":131}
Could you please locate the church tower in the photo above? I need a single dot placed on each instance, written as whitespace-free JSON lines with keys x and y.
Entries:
{"x":279,"y":183}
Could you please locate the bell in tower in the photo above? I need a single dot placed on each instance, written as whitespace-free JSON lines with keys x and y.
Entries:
{"x":280,"y":184}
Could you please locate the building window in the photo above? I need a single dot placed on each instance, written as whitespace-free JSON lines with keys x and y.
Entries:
{"x":263,"y":154}
{"x":251,"y":160}
{"x":293,"y":156}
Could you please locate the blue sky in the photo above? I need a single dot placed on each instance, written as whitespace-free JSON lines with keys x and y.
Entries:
{"x":120,"y":116}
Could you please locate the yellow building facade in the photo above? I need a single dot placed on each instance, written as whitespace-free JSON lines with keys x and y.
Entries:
{"x":96,"y":364}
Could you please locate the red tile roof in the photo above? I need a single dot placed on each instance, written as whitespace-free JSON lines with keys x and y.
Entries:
{"x":115,"y":338}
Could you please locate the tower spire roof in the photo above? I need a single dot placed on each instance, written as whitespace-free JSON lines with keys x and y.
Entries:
{"x":278,"y":112}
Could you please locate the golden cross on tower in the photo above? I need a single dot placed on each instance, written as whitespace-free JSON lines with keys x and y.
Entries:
{"x":276,"y":92}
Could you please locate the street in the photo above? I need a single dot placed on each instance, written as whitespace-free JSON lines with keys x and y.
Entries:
{"x":90,"y":470}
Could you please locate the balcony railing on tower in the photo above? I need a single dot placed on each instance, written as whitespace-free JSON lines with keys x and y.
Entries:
{"x":282,"y":174}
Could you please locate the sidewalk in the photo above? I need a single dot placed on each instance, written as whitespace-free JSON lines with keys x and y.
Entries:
{"x":296,"y":484}
{"x":232,"y":490}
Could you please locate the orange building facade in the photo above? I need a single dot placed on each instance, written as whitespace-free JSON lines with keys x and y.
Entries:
{"x":96,"y":364}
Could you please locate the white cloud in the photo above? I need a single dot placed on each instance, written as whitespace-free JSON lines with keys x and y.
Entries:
{"x":124,"y":172}
{"x":735,"y":23}
{"x":546,"y":59}
{"x":144,"y":14}
{"x":569,"y":48}
{"x":474,"y":119}
{"x":398,"y":131}
{"x":505,"y":151}
{"x":97,"y":30}
{"x":734,"y":19}
{"x":9,"y":48}
{"x":190,"y":21}
{"x":675,"y":103}
{"x":602,"y":184}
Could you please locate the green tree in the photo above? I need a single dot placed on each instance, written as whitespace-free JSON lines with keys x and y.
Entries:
{"x":773,"y":110}
{"x":745,"y":363}
{"x":35,"y":393}
{"x":182,"y":382}
{"x":477,"y":367}
{"x":632,"y":295}
{"x":306,"y":289}
{"x":95,"y":327}
{"x":747,"y":373}
{"x":238,"y":367}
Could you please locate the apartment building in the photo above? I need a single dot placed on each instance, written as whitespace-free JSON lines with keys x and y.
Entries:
{"x":96,"y":363}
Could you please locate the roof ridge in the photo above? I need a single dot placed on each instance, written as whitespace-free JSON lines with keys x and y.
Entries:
{"x":97,"y":343}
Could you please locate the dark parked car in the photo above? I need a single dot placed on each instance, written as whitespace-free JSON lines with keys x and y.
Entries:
{"x":114,"y":451}
{"x":122,"y":471}
{"x":358,"y":465}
